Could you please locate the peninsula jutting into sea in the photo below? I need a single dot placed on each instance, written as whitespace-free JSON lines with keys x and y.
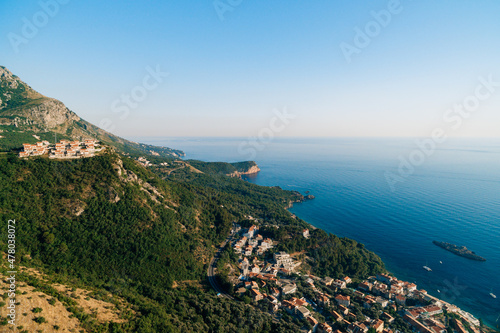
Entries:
{"x":461,"y":251}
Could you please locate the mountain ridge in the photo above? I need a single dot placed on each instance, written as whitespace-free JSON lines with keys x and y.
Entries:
{"x":25,"y":112}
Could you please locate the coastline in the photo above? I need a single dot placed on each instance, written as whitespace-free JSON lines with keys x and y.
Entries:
{"x":345,"y":204}
{"x":469,"y":316}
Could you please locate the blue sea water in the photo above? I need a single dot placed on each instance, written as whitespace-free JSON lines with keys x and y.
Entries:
{"x":453,"y":196}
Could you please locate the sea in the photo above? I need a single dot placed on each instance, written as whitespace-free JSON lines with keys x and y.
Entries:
{"x":395,"y":195}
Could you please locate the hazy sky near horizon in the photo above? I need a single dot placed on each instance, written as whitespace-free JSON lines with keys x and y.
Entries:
{"x":229,"y":69}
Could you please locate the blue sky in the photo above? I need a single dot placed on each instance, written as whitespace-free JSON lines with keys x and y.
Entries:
{"x":225,"y":77}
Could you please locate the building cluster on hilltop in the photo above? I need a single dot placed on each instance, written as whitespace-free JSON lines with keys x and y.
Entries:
{"x":61,"y":150}
{"x":252,"y":242}
{"x":37,"y":149}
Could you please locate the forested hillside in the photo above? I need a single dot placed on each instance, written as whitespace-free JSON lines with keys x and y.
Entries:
{"x":109,"y":224}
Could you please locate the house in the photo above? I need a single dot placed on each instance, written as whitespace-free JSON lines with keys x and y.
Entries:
{"x":272,"y":299}
{"x":328,"y":281}
{"x":311,"y":320}
{"x":298,"y":302}
{"x":400,"y":300}
{"x":458,"y":326}
{"x":378,"y":325}
{"x":343,"y":310}
{"x":418,"y":326}
{"x":366,"y":286}
{"x":432,"y":310}
{"x":343,"y":300}
{"x":410,"y":287}
{"x":387,"y":317}
{"x":339,"y":284}
{"x":275,"y":292}
{"x":357,"y":328}
{"x":347,"y":280}
{"x":379,"y":289}
{"x":337,"y":316}
{"x":384,"y":278}
{"x":251,"y":231}
{"x":302,"y":312}
{"x":323,"y":300}
{"x":358,"y":295}
{"x":256,"y":295}
{"x":248,"y":250}
{"x":283,"y":259}
{"x":288,"y":306}
{"x":324,"y":328}
{"x":369,"y":301}
{"x":267,"y":242}
{"x":255,"y":269}
{"x":289,"y":289}
{"x":382,"y":301}
{"x":305,"y":233}
{"x":261,"y":250}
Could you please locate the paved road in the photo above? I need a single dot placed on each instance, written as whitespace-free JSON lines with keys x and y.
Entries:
{"x":211,"y":273}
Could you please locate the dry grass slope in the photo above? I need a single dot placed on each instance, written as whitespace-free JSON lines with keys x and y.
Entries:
{"x":57,"y":317}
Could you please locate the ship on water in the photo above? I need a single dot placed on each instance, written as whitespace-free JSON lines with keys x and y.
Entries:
{"x":427,"y":269}
{"x":459,"y":250}
{"x":493,"y":295}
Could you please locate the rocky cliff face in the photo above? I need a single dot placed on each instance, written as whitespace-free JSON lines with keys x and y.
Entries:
{"x":25,"y":113}
{"x":251,"y":171}
{"x":10,"y":79}
{"x":47,"y":115}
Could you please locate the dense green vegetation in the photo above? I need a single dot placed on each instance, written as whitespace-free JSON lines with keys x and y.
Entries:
{"x":13,"y":138}
{"x":221,"y":167}
{"x":71,"y":224}
{"x":328,"y":254}
{"x":110,"y":224}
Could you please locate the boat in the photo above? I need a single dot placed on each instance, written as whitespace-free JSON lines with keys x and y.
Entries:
{"x":427,"y":269}
{"x":441,"y":262}
{"x":493,"y":295}
{"x":461,"y":251}
{"x":439,"y":291}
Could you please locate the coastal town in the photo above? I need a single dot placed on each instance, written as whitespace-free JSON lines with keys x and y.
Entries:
{"x":64,"y":149}
{"x":277,"y":284}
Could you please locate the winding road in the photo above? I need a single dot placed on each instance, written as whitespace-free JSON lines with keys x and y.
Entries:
{"x":211,"y":272}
